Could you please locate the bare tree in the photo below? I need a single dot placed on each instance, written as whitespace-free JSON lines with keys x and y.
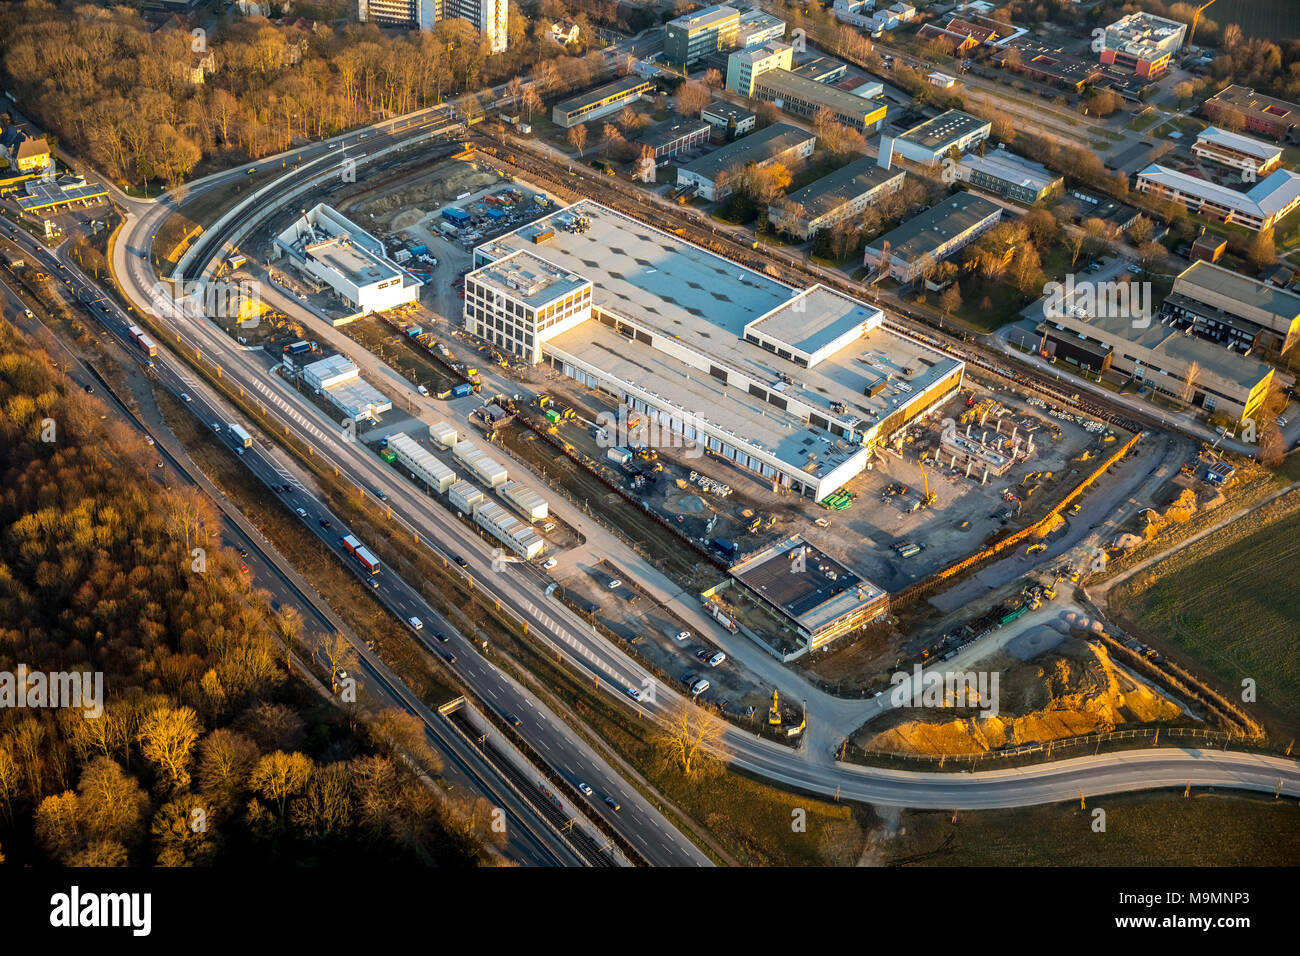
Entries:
{"x":689,"y":732}
{"x":578,"y":137}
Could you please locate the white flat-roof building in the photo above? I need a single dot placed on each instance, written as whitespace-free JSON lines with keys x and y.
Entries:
{"x":529,"y":503}
{"x":749,"y":63}
{"x":339,"y":380}
{"x":464,"y":495}
{"x":520,"y":301}
{"x":485,"y":468}
{"x":792,"y":384}
{"x":758,"y":27}
{"x":331,"y":249}
{"x":929,"y":142}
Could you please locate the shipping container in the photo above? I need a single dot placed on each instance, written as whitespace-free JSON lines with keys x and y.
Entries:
{"x":460,"y":391}
{"x":619,"y":456}
{"x":297,"y":348}
{"x":442,"y":434}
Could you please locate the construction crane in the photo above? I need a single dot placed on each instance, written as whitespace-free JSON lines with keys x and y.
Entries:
{"x":930,"y":496}
{"x":1196,"y":18}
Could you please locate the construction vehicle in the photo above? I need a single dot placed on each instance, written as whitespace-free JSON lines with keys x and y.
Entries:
{"x":774,"y":715}
{"x":1035,"y":547}
{"x":930,"y":496}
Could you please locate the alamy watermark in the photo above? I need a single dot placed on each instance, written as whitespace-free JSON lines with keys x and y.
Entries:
{"x":1088,"y":300}
{"x":215,"y":299}
{"x":946,"y":689}
{"x":73,"y":689}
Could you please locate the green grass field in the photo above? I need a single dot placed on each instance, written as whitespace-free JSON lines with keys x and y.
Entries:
{"x":1230,"y":602}
{"x":1274,"y":20}
{"x":1147,"y":829}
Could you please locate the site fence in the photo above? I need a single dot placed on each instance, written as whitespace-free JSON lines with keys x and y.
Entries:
{"x":1201,"y":738}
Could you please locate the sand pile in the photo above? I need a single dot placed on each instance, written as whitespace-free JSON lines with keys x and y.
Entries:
{"x":1078,"y":691}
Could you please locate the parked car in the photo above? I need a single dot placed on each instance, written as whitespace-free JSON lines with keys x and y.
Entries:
{"x":614,"y":584}
{"x":682,"y":635}
{"x":550,"y":563}
{"x":717,"y":659}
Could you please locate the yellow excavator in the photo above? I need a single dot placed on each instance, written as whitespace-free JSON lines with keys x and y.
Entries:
{"x":774,"y":715}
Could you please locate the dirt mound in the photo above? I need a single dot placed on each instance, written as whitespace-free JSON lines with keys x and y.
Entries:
{"x":1077,"y":691}
{"x":442,"y":184}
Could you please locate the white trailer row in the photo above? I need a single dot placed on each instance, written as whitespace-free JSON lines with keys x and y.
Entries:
{"x":528,"y":502}
{"x":420,"y":463}
{"x":443,"y":435}
{"x":509,"y":530}
{"x":464,"y":495}
{"x":487,"y":470}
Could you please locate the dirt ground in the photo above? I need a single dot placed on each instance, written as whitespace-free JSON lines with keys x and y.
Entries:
{"x":1067,"y":689}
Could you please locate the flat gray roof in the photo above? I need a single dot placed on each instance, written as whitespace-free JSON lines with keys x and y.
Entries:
{"x":832,"y":97}
{"x":927,"y":231}
{"x":755,"y":147}
{"x":679,"y":290}
{"x":1253,"y":293}
{"x":670,"y":130}
{"x":944,"y":129}
{"x":844,"y":185}
{"x":815,"y":319}
{"x":615,"y":88}
{"x":353,"y":262}
{"x":1011,"y":168}
{"x":725,"y":110}
{"x":529,"y":279}
{"x":648,"y":275}
{"x":818,"y":596}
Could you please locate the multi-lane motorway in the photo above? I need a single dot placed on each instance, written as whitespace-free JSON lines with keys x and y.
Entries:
{"x":519,"y":589}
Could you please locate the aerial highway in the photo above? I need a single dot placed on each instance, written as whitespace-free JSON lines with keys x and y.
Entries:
{"x":518,"y":588}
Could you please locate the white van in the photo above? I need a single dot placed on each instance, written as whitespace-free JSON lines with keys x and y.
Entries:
{"x":699,"y":687}
{"x":416,"y":623}
{"x":717,"y":659}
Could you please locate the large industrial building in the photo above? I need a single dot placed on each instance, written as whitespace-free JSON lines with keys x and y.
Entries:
{"x":931,"y":141}
{"x":1232,"y":309}
{"x":330,"y":249}
{"x":804,"y":97}
{"x":489,"y":17}
{"x":823,"y":599}
{"x":793,"y":385}
{"x":1257,"y":208}
{"x":690,"y":38}
{"x":520,"y":300}
{"x":841,"y":195}
{"x":779,"y":143}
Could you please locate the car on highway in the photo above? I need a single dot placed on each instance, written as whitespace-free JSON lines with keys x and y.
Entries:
{"x":216,"y":427}
{"x":374,"y":583}
{"x":300,"y":512}
{"x":460,"y":561}
{"x":88,"y":389}
{"x":613,"y":804}
{"x":243,"y":567}
{"x":449,"y":657}
{"x":185,"y":397}
{"x":510,"y":718}
{"x":243,"y":553}
{"x":614,"y":585}
{"x":148,"y":439}
{"x":549,"y":563}
{"x":416,"y":623}
{"x":340,"y":675}
{"x":635,"y":694}
{"x":583,"y":788}
{"x":440,"y":637}
{"x":325,"y":522}
{"x":286,"y":489}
